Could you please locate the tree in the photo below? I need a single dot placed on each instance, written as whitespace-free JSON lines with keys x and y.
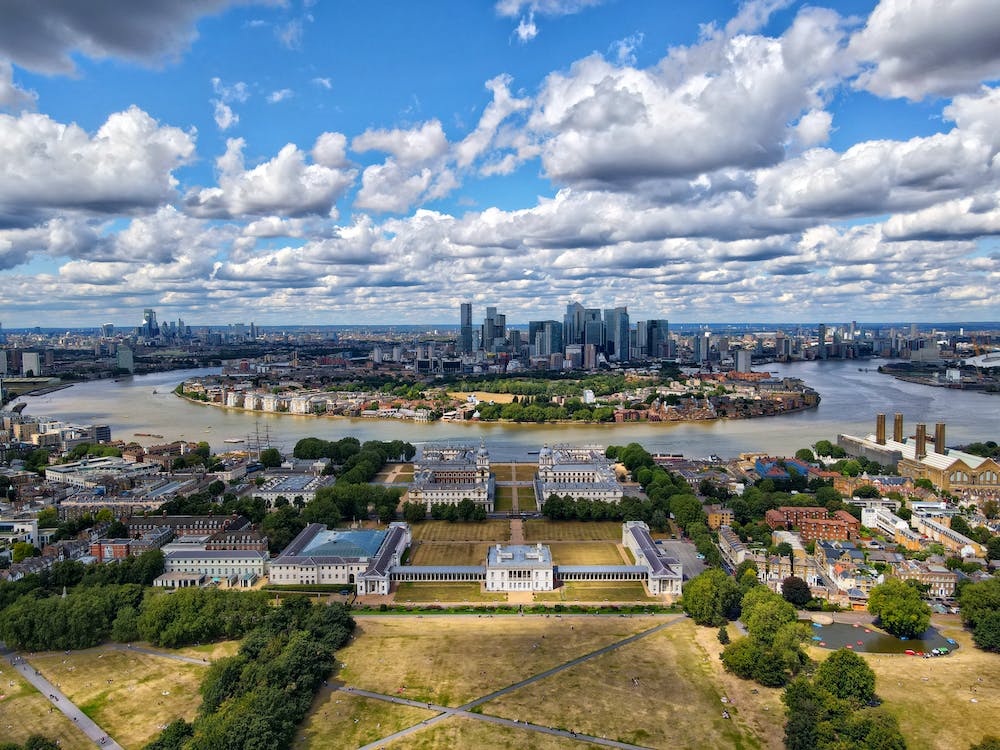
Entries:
{"x":414,"y":512}
{"x":270,"y":458}
{"x":867,"y":491}
{"x":899,"y":608}
{"x":796,"y":591}
{"x":804,"y":454}
{"x":978,"y":600}
{"x":723,"y":635}
{"x":989,"y":742}
{"x":22,"y":551}
{"x":847,"y":676}
{"x":710,"y":597}
{"x":783,"y":550}
{"x":742,"y":656}
{"x":986,"y":634}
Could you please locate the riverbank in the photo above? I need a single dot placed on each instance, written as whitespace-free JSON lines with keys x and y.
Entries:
{"x":557,"y":422}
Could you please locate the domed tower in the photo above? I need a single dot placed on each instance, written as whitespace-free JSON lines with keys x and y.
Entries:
{"x":483,"y":462}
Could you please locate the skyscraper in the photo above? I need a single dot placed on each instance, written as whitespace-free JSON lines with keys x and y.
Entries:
{"x":150,"y":327}
{"x":616,"y":328}
{"x":573,"y":323}
{"x":465,"y":333}
{"x":821,"y":341}
{"x":657,"y":337}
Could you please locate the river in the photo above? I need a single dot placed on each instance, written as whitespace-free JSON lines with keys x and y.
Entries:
{"x":852,"y":392}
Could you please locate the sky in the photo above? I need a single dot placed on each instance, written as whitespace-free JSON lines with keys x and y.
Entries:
{"x":367,"y":162}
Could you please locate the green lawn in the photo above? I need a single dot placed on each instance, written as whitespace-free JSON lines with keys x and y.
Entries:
{"x":449,"y":553}
{"x":585,"y":553}
{"x":446,"y":592}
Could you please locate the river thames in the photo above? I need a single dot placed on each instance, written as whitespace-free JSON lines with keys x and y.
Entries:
{"x":852,"y":393}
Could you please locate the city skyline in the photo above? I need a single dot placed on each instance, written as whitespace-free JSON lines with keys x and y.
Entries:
{"x":763,"y":161}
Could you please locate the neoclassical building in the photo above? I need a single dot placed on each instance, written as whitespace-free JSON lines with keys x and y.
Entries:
{"x":446,"y":475}
{"x":581,"y":472}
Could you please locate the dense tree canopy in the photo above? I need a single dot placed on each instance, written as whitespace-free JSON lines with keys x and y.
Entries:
{"x":847,"y":676}
{"x":899,"y":608}
{"x":711,"y":597}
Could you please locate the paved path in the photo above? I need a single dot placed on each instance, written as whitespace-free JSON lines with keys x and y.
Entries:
{"x":467,"y":712}
{"x":144,"y":650}
{"x":516,"y":531}
{"x":60,"y":701}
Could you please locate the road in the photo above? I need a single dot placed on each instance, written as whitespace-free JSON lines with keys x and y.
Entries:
{"x":466,"y":710}
{"x":60,"y":701}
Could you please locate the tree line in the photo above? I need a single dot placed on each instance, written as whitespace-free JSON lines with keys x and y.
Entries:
{"x":257,"y":698}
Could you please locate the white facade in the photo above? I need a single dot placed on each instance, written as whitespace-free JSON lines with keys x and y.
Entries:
{"x":518,"y":567}
{"x":217,"y":564}
{"x":580,"y":472}
{"x":447,"y":475}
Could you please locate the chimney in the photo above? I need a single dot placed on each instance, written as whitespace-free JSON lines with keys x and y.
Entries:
{"x":897,"y":428}
{"x":880,"y":429}
{"x":939,"y":438}
{"x":921,"y":441}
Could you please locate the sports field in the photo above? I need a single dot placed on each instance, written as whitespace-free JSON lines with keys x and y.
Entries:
{"x":449,"y":553}
{"x":933,"y":698}
{"x":446,"y":592}
{"x":129,"y":694}
{"x":451,"y":660}
{"x":585,"y":553}
{"x":339,"y":720}
{"x":570,"y":531}
{"x":662,"y":691}
{"x":442,"y":531}
{"x":24,"y":712}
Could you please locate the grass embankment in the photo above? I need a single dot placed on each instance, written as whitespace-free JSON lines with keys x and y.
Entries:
{"x":24,"y":712}
{"x":129,"y":694}
{"x":662,"y":691}
{"x":458,"y":732}
{"x":338,"y":720}
{"x":453,"y":660}
{"x":933,"y":698}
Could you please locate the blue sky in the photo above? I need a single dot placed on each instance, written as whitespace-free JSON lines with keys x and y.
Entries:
{"x":379,"y":162}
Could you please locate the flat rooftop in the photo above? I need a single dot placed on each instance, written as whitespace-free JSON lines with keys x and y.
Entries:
{"x":519,"y":556}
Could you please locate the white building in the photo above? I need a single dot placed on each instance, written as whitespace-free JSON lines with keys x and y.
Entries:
{"x":665,"y":575}
{"x":446,"y":475}
{"x":360,"y":558}
{"x":216,"y":564}
{"x":93,"y":472}
{"x":580,"y":472}
{"x":518,"y":567}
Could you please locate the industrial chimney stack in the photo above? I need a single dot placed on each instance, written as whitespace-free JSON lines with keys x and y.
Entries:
{"x":880,"y":429}
{"x":897,"y":428}
{"x":939,"y":438}
{"x":921,"y":441}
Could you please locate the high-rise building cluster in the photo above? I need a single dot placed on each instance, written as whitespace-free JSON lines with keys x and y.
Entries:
{"x":584,"y":337}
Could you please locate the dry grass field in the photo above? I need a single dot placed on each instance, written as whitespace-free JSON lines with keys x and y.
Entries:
{"x":503,"y":472}
{"x":598,"y":591}
{"x":451,"y":660}
{"x":24,"y":712}
{"x":662,"y":692}
{"x":504,"y":499}
{"x":497,"y":398}
{"x":585,"y":553}
{"x":443,"y":531}
{"x":338,"y":720}
{"x":449,"y":553}
{"x":932,"y":698}
{"x":431,"y":593}
{"x":129,"y":694}
{"x":525,"y":472}
{"x":210,"y":651}
{"x":457,"y":732}
{"x":572,"y":531}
